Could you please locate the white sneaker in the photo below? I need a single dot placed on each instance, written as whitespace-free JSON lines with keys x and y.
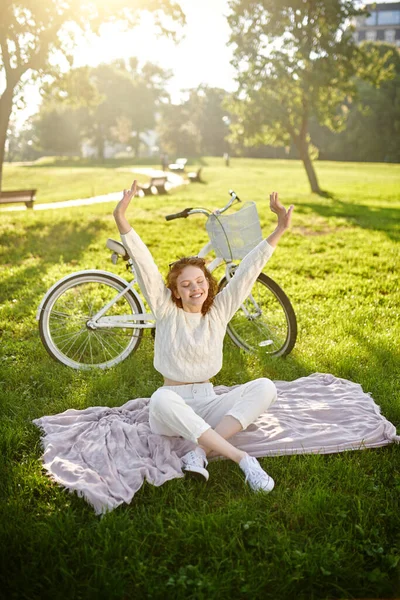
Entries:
{"x":195,"y":462}
{"x":256,"y":477}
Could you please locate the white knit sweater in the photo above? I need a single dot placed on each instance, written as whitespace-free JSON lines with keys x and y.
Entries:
{"x":188,"y":346}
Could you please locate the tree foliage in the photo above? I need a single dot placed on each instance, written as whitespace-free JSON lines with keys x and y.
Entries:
{"x":196,"y":126}
{"x":57,"y":131}
{"x":33,"y":33}
{"x":373,"y":124}
{"x":111,"y":102}
{"x":296,"y":60}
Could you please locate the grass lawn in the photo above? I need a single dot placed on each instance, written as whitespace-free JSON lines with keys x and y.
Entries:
{"x":331,"y":527}
{"x":67,"y":179}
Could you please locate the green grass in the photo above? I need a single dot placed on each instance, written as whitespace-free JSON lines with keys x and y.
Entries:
{"x":331,"y":527}
{"x":67,"y":179}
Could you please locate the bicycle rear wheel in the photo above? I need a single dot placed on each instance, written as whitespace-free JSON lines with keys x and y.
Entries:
{"x":66,"y":312}
{"x":270,"y":323}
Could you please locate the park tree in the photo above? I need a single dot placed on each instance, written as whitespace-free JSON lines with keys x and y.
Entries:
{"x":197,"y":125}
{"x":57,"y":130}
{"x":119,"y":100}
{"x":296,"y":60}
{"x":178,"y":131}
{"x":373,"y":125}
{"x":112,"y":98}
{"x":149,"y":95}
{"x":34,"y":34}
{"x":211,"y":118}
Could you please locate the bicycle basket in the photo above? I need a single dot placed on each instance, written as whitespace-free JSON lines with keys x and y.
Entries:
{"x":234,"y":235}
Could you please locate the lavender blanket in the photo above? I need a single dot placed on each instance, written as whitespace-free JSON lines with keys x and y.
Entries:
{"x":105,"y":454}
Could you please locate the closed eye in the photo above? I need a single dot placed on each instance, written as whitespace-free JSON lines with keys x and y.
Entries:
{"x":187,"y":284}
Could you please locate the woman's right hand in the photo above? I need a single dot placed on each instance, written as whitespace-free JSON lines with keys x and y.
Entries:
{"x":123,"y":204}
{"x":120,"y":210}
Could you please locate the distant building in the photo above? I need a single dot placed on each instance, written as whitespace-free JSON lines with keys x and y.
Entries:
{"x":149,"y":146}
{"x":382,"y":25}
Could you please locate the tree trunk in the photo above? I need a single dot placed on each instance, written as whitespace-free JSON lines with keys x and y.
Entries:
{"x":100,"y":142}
{"x":5,"y":112}
{"x":136,"y":145}
{"x":302,"y":146}
{"x":100,"y":148}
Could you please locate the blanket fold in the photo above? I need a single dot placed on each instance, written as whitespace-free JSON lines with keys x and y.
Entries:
{"x":105,"y":454}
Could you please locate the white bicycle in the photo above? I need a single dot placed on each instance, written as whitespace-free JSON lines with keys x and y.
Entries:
{"x":95,"y":318}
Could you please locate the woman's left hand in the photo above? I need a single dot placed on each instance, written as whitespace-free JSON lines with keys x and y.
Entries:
{"x":284,"y":216}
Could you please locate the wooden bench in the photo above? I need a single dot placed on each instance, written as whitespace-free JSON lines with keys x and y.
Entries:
{"x":156,"y":185}
{"x":26,"y":196}
{"x":195,"y":176}
{"x":178,"y":165}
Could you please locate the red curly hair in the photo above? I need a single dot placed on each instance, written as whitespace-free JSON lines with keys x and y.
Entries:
{"x":176,"y":269}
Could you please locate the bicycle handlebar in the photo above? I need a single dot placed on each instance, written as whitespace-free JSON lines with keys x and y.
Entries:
{"x":232,"y":193}
{"x":182,"y":215}
{"x":191,"y":211}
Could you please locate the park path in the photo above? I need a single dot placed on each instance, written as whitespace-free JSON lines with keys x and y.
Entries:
{"x":174,"y":180}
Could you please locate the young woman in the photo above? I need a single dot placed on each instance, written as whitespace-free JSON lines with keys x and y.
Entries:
{"x":191,"y":321}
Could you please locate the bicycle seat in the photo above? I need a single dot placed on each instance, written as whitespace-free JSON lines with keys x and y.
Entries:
{"x":117,"y":247}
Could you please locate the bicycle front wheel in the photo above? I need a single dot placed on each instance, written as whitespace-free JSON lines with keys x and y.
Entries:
{"x":268,"y":320}
{"x":63,"y":322}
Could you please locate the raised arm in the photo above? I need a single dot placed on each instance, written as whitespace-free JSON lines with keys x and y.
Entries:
{"x":121,"y":208}
{"x":284,"y":219}
{"x":148,"y":275}
{"x":239,"y":287}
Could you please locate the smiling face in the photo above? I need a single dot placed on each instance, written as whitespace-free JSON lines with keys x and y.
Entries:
{"x":191,"y":288}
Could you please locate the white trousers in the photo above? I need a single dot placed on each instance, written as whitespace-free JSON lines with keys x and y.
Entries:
{"x":189,"y":410}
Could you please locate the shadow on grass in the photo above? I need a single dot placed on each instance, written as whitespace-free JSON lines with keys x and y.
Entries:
{"x":201,"y":182}
{"x":379,"y":373}
{"x":45,"y":245}
{"x":374,"y":218}
{"x":326,"y":194}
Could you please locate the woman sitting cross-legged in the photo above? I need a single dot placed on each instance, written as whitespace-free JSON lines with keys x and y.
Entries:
{"x":191,"y":320}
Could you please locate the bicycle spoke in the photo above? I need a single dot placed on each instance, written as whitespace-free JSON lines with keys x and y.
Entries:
{"x":104,"y":347}
{"x":68,"y":337}
{"x":58,"y":314}
{"x":90,"y":305}
{"x":59,"y":332}
{"x":125,"y":331}
{"x":115,"y":339}
{"x":110,"y":339}
{"x":73,"y":338}
{"x":84,"y":344}
{"x":91,"y":351}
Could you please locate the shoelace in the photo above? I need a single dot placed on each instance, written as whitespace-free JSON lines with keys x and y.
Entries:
{"x":256,"y":474}
{"x":201,"y":461}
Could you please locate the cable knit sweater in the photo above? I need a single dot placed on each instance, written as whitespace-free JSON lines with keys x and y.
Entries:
{"x":188,"y":346}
